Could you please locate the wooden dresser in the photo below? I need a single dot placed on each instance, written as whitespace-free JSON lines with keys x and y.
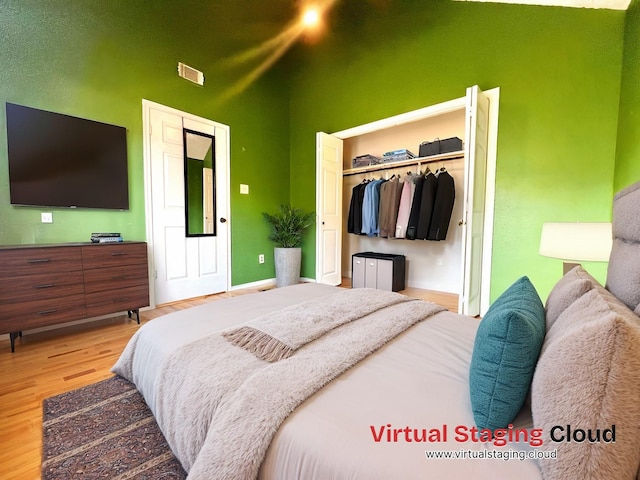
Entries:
{"x":42,"y":285}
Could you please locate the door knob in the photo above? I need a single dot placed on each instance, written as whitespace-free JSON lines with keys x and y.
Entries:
{"x":223,"y":220}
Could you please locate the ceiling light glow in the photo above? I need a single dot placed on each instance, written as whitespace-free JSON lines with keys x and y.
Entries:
{"x":310,"y":18}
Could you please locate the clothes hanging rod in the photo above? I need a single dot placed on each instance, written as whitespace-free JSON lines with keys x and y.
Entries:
{"x":443,"y":157}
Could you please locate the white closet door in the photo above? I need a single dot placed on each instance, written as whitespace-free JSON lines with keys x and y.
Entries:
{"x":328,"y":209}
{"x":476,"y":135}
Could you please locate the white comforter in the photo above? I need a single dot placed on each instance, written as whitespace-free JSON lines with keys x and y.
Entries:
{"x":417,"y":381}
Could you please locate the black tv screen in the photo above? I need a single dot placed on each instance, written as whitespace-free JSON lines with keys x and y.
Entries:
{"x":57,"y":160}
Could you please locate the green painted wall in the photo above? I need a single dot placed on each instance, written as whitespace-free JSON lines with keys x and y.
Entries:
{"x":99,"y":59}
{"x":628,"y":147}
{"x":559,"y":74}
{"x":559,"y":71}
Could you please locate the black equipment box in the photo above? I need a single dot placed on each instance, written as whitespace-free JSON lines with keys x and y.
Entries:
{"x":438,"y":146}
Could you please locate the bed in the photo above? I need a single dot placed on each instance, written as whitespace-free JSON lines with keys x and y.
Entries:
{"x":317,"y":382}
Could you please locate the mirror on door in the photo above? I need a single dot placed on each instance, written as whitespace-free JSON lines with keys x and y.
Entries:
{"x":199,"y":175}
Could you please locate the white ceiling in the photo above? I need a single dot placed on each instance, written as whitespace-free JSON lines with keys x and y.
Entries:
{"x":610,"y":4}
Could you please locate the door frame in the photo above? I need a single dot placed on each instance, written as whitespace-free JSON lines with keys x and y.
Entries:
{"x":492,"y":129}
{"x":147,"y":105}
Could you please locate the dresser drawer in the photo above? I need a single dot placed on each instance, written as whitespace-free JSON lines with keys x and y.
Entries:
{"x":30,"y":288}
{"x":111,"y":301}
{"x":106,"y":255}
{"x":16,"y":317}
{"x":46,"y":285}
{"x":32,"y":261}
{"x":114,"y":278}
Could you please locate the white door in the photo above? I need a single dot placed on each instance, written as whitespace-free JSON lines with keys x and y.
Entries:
{"x":475,"y":172}
{"x":328,"y":209}
{"x":183,"y":267}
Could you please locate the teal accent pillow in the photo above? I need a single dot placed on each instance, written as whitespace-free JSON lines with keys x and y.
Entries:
{"x":505,"y":354}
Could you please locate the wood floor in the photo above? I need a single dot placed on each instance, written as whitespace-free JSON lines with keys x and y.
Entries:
{"x":53,"y":362}
{"x":56,"y":361}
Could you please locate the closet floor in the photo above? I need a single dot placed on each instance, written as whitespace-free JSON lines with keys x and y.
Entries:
{"x":448,"y":300}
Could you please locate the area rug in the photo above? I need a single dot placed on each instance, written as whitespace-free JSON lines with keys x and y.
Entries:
{"x":104,"y":430}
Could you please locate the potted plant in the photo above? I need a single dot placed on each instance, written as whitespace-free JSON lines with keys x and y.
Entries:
{"x":287,"y":228}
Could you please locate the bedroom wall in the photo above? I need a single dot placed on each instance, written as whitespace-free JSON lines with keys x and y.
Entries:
{"x":98,"y":60}
{"x":628,"y":146}
{"x":559,"y":73}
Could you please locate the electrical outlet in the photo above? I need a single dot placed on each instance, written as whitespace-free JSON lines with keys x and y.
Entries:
{"x":261,"y":258}
{"x":46,"y":217}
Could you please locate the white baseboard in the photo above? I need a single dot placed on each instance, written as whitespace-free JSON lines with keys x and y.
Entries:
{"x":269,"y":282}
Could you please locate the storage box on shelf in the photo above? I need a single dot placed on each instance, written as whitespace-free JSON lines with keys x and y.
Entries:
{"x":437,"y":146}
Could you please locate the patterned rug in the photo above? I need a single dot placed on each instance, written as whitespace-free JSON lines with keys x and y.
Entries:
{"x":104,"y":430}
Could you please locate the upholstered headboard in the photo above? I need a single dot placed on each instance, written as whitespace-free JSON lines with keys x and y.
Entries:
{"x":623,"y":274}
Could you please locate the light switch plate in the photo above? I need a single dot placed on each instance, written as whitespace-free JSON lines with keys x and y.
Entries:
{"x":244,"y":189}
{"x":46,"y":217}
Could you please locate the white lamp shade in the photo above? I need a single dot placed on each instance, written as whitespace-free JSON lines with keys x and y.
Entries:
{"x":576,"y":241}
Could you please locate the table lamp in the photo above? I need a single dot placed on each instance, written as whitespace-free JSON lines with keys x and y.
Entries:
{"x":576,"y":242}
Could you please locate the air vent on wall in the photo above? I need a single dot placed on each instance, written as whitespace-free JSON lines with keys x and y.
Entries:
{"x":190,"y":73}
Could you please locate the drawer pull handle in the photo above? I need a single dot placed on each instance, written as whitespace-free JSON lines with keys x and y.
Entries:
{"x":119,"y":277}
{"x":39,"y":260}
{"x":45,"y":285}
{"x":115,"y":254}
{"x":124,"y":299}
{"x":47,"y":312}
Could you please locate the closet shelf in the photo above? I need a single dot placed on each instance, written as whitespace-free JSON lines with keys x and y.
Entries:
{"x":404,"y":163}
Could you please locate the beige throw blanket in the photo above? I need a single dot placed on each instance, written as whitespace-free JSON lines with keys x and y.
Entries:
{"x":219,"y":405}
{"x":278,"y":335}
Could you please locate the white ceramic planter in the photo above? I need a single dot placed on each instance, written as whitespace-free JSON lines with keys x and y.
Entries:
{"x":287,"y":262}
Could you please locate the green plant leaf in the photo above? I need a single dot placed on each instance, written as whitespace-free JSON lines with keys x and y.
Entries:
{"x":288,"y":225}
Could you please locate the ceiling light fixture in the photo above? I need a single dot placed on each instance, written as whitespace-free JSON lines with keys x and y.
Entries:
{"x":310,"y":18}
{"x":306,"y":25}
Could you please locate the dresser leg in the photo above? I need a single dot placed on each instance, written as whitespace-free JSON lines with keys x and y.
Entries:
{"x":12,"y":337}
{"x":137,"y":311}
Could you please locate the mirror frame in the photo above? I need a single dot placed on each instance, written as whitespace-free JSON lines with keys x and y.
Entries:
{"x":201,"y":232}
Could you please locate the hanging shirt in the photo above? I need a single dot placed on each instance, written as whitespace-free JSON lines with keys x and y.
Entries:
{"x":354,"y":223}
{"x":429,"y":188}
{"x":442,"y":207}
{"x":370,"y":206}
{"x":414,"y":215}
{"x":388,"y":212}
{"x":404,"y":208}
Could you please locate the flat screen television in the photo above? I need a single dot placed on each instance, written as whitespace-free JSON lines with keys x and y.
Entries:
{"x":57,"y":160}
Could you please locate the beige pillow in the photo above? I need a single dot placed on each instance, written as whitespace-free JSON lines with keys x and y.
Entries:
{"x":588,"y":377}
{"x":567,"y":290}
